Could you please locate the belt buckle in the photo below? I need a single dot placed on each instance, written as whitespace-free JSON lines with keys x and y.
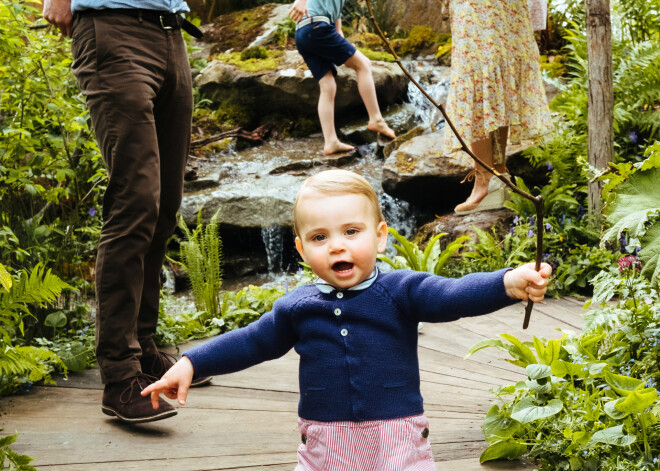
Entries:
{"x":162,"y":25}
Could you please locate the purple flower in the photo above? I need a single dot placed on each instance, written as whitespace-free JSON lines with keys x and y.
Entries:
{"x":92,"y":212}
{"x":549,"y":166}
{"x":516,"y":219}
{"x":512,"y":230}
{"x":530,"y":233}
{"x":633,"y":137}
{"x":547,"y":226}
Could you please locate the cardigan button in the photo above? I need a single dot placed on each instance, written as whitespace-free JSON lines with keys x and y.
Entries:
{"x":425,"y":432}
{"x":344,"y":332}
{"x":337,"y":312}
{"x":340,"y":294}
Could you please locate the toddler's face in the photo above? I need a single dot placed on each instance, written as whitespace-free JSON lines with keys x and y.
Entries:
{"x":339,"y":237}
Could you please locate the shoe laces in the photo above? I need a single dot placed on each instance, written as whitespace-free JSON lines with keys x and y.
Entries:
{"x":141,"y":380}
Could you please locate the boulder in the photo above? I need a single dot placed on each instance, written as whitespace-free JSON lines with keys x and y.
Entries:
{"x":296,"y":90}
{"x":456,"y":226}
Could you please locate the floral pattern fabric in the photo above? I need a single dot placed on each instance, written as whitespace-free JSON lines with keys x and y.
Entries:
{"x":496,"y":78}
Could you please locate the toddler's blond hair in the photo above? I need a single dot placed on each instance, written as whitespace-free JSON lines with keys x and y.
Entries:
{"x":338,"y":182}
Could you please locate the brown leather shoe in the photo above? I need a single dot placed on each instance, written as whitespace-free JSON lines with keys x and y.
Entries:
{"x":123,"y":400}
{"x":158,"y":365}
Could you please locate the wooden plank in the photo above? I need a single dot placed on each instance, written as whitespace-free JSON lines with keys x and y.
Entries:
{"x":248,"y":420}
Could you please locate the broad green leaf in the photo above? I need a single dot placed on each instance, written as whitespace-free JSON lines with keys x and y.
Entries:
{"x":537,"y":371}
{"x":526,"y":411}
{"x":563,"y":368}
{"x":611,"y":410}
{"x":634,"y":203}
{"x":613,"y":436}
{"x":508,"y":449}
{"x":623,"y":384}
{"x":55,"y":320}
{"x":637,"y":401}
{"x":484,"y":344}
{"x":650,"y":254}
{"x":520,"y":350}
{"x":5,"y":278}
{"x":496,"y":426}
{"x":549,"y":352}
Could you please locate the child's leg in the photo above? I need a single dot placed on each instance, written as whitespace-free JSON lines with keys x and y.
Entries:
{"x":326,"y":111}
{"x":362,"y":67}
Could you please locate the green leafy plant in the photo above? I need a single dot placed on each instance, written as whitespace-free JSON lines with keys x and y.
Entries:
{"x":16,"y":461}
{"x":201,"y":258}
{"x":431,"y":260}
{"x":19,"y":364}
{"x":634,"y":209}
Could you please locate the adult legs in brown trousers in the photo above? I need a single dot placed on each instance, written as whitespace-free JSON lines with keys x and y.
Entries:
{"x":137,"y":81}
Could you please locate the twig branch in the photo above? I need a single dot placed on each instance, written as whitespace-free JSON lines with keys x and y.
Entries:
{"x":536,"y":200}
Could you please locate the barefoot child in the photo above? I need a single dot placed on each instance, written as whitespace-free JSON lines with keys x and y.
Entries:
{"x":322,"y":45}
{"x":355,"y":330}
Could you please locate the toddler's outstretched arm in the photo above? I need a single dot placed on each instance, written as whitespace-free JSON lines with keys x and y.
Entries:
{"x":526,"y":283}
{"x":174,"y":384}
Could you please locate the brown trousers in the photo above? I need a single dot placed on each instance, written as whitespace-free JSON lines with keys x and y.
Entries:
{"x":137,"y":82}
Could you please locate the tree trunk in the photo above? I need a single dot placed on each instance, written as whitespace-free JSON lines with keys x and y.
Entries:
{"x":601,"y":94}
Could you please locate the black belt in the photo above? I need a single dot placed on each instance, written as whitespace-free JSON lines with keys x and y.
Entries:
{"x":165,"y":20}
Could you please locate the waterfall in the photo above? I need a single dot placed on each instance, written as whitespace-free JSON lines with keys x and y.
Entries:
{"x":273,"y":239}
{"x":399,"y":215}
{"x":431,"y":77}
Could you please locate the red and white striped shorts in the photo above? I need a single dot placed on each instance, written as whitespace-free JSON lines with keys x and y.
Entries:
{"x":379,"y":445}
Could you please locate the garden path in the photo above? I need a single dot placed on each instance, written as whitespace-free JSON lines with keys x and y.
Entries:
{"x":247,"y":420}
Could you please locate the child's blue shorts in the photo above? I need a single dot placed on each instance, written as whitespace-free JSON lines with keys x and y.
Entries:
{"x":322,"y":48}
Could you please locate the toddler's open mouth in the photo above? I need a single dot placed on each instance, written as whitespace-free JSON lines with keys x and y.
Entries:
{"x":342,"y":266}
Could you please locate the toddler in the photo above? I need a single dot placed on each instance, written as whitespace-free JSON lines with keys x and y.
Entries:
{"x":355,"y":330}
{"x":321,"y":43}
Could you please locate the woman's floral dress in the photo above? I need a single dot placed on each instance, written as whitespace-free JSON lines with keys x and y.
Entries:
{"x":495,"y":79}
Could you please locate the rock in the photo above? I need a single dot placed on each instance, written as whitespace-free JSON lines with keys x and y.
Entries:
{"x":400,"y":139}
{"x":456,"y":226}
{"x":420,"y":173}
{"x":296,"y":90}
{"x":277,"y":15}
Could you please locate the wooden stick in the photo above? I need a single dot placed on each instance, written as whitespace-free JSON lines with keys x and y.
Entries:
{"x":536,"y":200}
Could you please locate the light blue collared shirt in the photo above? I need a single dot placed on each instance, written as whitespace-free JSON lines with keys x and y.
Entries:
{"x":329,"y":8}
{"x":326,"y":288}
{"x":172,"y":6}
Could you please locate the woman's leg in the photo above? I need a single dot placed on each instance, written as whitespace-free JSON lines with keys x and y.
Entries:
{"x":367,"y":89}
{"x":492,"y":152}
{"x":326,"y":109}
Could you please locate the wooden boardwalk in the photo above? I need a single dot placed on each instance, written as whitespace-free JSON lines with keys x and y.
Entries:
{"x":248,"y":420}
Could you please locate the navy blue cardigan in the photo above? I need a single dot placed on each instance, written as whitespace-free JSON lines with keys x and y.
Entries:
{"x":358,"y":349}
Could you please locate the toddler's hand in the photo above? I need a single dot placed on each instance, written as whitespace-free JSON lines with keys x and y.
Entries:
{"x":526,"y":283}
{"x":174,"y":384}
{"x":298,"y":10}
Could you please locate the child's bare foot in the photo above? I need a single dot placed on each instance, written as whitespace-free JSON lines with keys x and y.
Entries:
{"x":381,"y":126}
{"x":334,"y":147}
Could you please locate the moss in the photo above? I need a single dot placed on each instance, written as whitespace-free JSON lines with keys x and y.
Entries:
{"x":443,"y":54}
{"x":216,"y":147}
{"x":232,"y":114}
{"x":257,"y":52}
{"x":271,"y":62}
{"x":367,"y":40}
{"x":420,"y":37}
{"x":286,"y":29}
{"x":238,"y":29}
{"x":376,"y":55}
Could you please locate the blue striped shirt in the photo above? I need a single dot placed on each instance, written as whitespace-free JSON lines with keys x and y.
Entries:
{"x":173,"y":6}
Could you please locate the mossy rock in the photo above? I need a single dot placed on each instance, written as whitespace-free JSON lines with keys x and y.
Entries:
{"x":443,"y":54}
{"x":367,"y":40}
{"x":237,"y":30}
{"x":254,"y":61}
{"x":419,"y":39}
{"x":376,"y":55}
